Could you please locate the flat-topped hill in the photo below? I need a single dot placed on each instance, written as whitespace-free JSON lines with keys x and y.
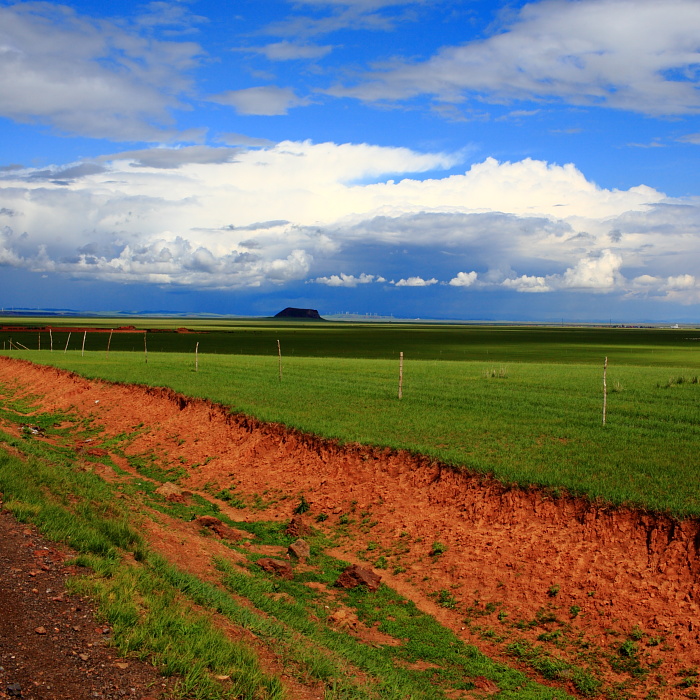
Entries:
{"x":291,"y":312}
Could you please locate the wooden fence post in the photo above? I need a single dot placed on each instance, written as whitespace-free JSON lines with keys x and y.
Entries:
{"x":83,"y":351}
{"x":279,"y":354}
{"x":196,"y":357}
{"x":51,"y":339}
{"x":109,"y":342}
{"x":605,"y":389}
{"x":400,"y":376}
{"x":65,"y":350}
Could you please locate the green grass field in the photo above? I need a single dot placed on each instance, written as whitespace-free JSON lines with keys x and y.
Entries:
{"x":578,"y":345}
{"x":524,"y":404}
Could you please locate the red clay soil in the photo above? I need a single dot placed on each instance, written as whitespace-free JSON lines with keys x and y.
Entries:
{"x":510,"y":554}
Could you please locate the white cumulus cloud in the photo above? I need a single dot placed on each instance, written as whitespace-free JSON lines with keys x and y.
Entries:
{"x":463,"y":279}
{"x":637,"y":55}
{"x":343,"y":280}
{"x":416,"y":282}
{"x":594,"y":273}
{"x":527,"y":283}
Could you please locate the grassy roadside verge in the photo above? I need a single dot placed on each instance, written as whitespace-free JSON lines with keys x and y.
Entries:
{"x":155,"y":610}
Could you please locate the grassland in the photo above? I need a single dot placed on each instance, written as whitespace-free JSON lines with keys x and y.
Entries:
{"x":550,"y":345}
{"x":523,"y":404}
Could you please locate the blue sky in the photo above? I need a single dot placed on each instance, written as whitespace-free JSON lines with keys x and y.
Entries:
{"x":429,"y":158}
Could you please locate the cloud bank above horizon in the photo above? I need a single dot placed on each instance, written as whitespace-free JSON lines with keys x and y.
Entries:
{"x":298,"y":212}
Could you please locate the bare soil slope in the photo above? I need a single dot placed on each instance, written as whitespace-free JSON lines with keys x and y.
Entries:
{"x":514,"y":560}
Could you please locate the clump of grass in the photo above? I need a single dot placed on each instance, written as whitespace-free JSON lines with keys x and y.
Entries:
{"x":303,"y":507}
{"x":554,"y":668}
{"x":437,"y":549}
{"x":678,"y":381}
{"x":551,"y":636}
{"x":151,"y":467}
{"x":445,"y":599}
{"x":626,"y":660}
{"x":544,"y":616}
{"x":636,"y":633}
{"x":231,"y":498}
{"x":496,"y":373}
{"x":689,"y":677}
